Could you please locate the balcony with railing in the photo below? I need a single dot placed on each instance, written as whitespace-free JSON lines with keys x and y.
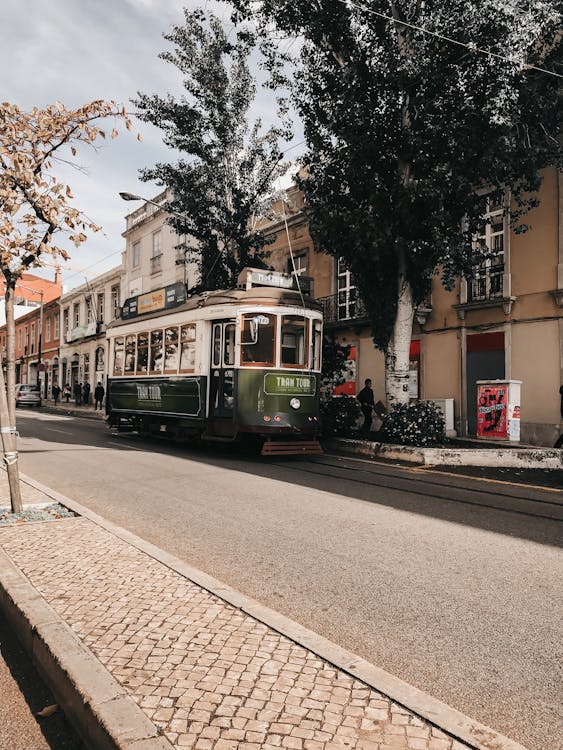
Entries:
{"x":156,"y":263}
{"x":344,"y":307}
{"x":487,"y":284}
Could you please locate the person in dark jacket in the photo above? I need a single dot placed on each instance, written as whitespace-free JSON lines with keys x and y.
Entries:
{"x":365,"y":397}
{"x":78,"y":394}
{"x":86,"y":394}
{"x":56,"y":393}
{"x":99,"y":394}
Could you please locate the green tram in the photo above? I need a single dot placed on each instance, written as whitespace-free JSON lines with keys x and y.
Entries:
{"x":224,"y":366}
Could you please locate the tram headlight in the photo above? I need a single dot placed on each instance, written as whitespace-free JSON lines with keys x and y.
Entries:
{"x":295,"y":403}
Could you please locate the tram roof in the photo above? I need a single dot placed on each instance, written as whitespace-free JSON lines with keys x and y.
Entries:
{"x":261,"y":295}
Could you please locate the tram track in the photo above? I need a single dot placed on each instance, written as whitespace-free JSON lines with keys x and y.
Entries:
{"x":546,"y":504}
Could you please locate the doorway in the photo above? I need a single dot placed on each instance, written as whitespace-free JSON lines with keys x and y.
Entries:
{"x":222,"y":370}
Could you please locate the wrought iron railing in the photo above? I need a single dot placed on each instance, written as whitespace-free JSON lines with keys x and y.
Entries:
{"x":344,"y":306}
{"x":486,"y":284}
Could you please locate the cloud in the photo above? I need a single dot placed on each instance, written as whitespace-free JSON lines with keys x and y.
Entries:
{"x":74,"y":51}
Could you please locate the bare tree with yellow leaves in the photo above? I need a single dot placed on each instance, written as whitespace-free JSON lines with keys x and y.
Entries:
{"x":36,"y":216}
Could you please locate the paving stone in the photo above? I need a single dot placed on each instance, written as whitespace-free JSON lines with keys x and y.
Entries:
{"x":215,"y":677}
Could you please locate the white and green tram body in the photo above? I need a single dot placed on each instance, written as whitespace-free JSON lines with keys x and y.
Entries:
{"x":222,"y":365}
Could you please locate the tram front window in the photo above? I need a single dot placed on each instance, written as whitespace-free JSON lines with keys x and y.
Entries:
{"x":258,"y":339}
{"x":294,"y":341}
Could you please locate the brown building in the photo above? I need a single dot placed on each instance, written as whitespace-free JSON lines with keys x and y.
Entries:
{"x":37,"y":330}
{"x":506,"y":324}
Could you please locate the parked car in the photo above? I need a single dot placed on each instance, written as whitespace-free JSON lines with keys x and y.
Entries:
{"x":28,"y":394}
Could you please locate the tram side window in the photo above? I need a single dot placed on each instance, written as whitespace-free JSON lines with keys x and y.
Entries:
{"x":317,"y":344}
{"x":171,"y":351}
{"x":142,"y":354}
{"x":294,"y":341}
{"x":118,"y":353}
{"x":156,"y":352}
{"x":258,"y":339}
{"x":187,"y":348}
{"x":229,"y":345}
{"x":130,"y":348}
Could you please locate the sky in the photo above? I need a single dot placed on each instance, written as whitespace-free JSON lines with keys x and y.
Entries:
{"x":74,"y":51}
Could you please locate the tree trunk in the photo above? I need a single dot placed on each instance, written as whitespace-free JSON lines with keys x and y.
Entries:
{"x":8,"y":405}
{"x":398,"y":350}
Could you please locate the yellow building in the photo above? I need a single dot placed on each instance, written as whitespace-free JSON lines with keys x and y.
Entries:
{"x":507,"y":323}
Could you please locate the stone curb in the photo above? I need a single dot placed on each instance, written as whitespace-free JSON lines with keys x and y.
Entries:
{"x":449,"y":720}
{"x":521,"y":458}
{"x":105,"y":716}
{"x":74,"y":412}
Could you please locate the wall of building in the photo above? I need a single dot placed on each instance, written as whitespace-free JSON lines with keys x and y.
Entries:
{"x":535,"y":361}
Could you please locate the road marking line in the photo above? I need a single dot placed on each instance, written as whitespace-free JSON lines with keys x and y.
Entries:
{"x":54,"y":429}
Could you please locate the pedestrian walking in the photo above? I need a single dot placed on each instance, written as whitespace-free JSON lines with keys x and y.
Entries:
{"x":86,"y":394}
{"x":365,"y":397}
{"x":56,"y":393}
{"x":78,"y":394}
{"x":67,"y":392}
{"x":99,"y":394}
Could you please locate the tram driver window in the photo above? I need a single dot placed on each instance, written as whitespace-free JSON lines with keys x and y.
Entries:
{"x":118,"y":356}
{"x":258,"y":339}
{"x":294,"y":341}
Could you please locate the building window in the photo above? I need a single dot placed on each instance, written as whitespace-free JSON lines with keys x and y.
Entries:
{"x":101,"y":300}
{"x":347,"y":293}
{"x":19,"y":338}
{"x":32,"y":338}
{"x":88,"y":310}
{"x":136,"y":254}
{"x":300,"y":264}
{"x":76,"y":314}
{"x":115,"y":301}
{"x":66,"y":314}
{"x":487,"y":282}
{"x":56,"y":326}
{"x":48,"y":329}
{"x":156,"y":259}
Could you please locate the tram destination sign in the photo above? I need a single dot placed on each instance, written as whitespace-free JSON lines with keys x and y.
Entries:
{"x":159,"y":299}
{"x":290,"y":384}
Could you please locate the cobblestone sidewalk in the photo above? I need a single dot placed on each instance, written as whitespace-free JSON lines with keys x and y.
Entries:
{"x":208,"y":675}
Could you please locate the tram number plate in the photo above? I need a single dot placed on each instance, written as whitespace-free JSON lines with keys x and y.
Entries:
{"x":281,"y":384}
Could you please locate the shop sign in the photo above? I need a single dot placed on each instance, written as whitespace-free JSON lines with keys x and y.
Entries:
{"x":276,"y":384}
{"x":159,"y":299}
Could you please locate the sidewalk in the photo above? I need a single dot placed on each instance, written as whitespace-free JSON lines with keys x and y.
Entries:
{"x":144,"y":652}
{"x":73,"y":410}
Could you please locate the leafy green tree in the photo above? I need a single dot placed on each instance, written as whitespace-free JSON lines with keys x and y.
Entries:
{"x":227,"y":168}
{"x":416,"y":113}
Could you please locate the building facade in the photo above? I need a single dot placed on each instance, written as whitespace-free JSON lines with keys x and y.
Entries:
{"x":37,"y":330}
{"x":155,"y":256}
{"x":84,"y":314}
{"x":506,"y":324}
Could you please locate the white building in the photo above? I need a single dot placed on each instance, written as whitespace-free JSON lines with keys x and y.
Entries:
{"x":155,"y":256}
{"x":85,"y":312}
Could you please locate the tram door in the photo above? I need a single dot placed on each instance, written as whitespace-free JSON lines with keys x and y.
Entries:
{"x":222,"y":370}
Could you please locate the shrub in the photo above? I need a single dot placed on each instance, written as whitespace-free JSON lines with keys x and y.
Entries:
{"x":420,"y":423}
{"x":340,"y":415}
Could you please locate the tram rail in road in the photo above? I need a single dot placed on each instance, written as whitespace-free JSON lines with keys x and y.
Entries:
{"x":539,"y":502}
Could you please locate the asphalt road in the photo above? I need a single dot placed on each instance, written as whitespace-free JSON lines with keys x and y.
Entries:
{"x":419,"y":576}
